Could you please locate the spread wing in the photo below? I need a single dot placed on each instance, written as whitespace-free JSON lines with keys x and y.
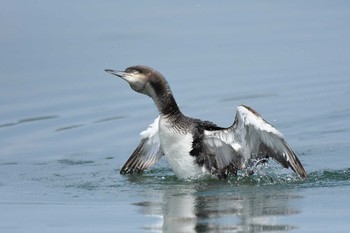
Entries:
{"x":147,"y":153}
{"x":251,"y":137}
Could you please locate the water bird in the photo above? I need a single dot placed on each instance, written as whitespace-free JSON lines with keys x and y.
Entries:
{"x":193,"y":147}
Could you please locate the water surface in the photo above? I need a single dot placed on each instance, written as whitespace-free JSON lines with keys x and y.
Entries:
{"x":67,"y":128}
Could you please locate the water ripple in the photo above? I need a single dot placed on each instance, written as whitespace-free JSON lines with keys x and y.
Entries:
{"x":109,"y":119}
{"x":30,"y":119}
{"x":246,"y":97}
{"x":74,"y":162}
{"x":69,"y":127}
{"x":266,"y":176}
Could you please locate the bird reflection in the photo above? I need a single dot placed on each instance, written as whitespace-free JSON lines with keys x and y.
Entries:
{"x":204,"y":208}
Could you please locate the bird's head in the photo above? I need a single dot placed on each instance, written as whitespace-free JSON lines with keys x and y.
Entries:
{"x":142,"y":79}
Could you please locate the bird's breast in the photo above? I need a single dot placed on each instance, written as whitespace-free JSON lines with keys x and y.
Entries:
{"x":176,"y":145}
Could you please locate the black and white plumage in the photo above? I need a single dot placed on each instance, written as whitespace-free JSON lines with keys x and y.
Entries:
{"x":194,"y":147}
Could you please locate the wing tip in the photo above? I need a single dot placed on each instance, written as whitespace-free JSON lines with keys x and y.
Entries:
{"x":297,"y":167}
{"x":301,"y":173}
{"x":129,"y":170}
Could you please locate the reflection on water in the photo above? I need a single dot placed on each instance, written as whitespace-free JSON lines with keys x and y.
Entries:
{"x":242,"y":204}
{"x":221,"y":208}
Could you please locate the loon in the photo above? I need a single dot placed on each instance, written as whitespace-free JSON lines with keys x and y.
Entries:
{"x":193,"y":147}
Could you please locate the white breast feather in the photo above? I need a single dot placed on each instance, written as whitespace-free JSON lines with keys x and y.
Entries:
{"x":176,"y":147}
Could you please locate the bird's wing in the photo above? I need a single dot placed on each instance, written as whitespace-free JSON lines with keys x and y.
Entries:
{"x":147,"y":153}
{"x":218,"y":156}
{"x":252,"y":137}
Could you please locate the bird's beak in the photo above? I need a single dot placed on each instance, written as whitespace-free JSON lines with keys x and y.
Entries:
{"x":116,"y":72}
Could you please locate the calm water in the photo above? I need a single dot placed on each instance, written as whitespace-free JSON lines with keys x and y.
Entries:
{"x":66,"y":127}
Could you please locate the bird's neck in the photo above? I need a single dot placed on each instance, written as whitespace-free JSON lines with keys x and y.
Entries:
{"x":165,"y":102}
{"x":167,"y":105}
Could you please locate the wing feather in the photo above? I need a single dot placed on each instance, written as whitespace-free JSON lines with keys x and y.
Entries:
{"x":147,"y":153}
{"x":222,"y":158}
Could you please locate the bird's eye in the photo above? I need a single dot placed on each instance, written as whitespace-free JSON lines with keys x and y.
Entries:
{"x":132,"y":71}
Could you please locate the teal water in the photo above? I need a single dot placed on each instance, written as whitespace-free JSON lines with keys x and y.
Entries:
{"x":66,"y":127}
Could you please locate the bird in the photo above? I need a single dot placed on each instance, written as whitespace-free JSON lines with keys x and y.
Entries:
{"x":195,"y":148}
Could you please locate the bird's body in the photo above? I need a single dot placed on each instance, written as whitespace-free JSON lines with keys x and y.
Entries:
{"x":194,"y":147}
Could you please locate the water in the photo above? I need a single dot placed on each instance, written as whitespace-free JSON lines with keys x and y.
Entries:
{"x":66,"y":127}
